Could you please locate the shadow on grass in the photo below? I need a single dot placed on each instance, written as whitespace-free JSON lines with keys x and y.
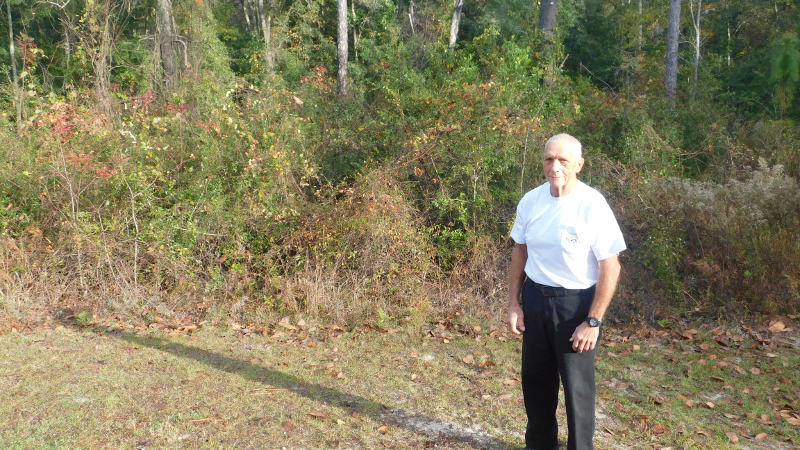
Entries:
{"x":432,"y":428}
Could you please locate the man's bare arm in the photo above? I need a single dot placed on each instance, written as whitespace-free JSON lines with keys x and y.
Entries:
{"x":516,"y":275}
{"x":585,"y":337}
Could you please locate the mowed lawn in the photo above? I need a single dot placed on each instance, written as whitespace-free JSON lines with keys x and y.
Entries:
{"x":454,"y":384}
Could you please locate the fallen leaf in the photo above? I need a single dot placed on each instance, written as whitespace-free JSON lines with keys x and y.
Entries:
{"x":659,"y":399}
{"x":710,"y":405}
{"x":340,"y":375}
{"x":699,"y":430}
{"x":658,"y":429}
{"x":317,"y":415}
{"x":755,"y":371}
{"x":297,"y":100}
{"x":761,"y":436}
{"x":777,"y":327}
{"x":383,"y":429}
{"x":486,"y":396}
{"x":486,"y":364}
{"x":739,"y":369}
{"x":732,"y":436}
{"x":704,"y":347}
{"x":636,"y":348}
{"x":718,"y":379}
{"x":505,"y":396}
{"x":510,"y":382}
{"x":255,"y":361}
{"x":468,"y":359}
{"x":772,"y":355}
{"x":792,"y":420}
{"x":688,"y":404}
{"x":731,"y":416}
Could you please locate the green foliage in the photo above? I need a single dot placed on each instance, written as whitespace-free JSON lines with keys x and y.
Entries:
{"x":245,"y":189}
{"x":84,"y":317}
{"x":785,"y":69}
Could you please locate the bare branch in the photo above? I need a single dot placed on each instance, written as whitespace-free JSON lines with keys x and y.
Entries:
{"x":56,"y":4}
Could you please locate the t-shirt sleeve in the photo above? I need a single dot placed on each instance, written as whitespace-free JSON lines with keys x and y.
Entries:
{"x":518,"y":230}
{"x":608,"y":240}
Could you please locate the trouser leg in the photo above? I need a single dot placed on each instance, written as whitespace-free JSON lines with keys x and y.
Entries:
{"x":577,"y":371}
{"x":539,"y":371}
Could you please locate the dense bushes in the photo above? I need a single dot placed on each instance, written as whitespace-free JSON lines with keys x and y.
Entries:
{"x":263,"y":195}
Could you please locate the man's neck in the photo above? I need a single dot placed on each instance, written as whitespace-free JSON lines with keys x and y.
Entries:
{"x":562,"y":191}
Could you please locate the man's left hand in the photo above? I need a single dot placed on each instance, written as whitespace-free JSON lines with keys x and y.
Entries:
{"x":584,"y":337}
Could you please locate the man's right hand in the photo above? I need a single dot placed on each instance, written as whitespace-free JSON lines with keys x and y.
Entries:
{"x":516,"y":318}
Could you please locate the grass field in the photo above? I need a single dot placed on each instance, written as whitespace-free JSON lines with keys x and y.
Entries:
{"x":109,"y":384}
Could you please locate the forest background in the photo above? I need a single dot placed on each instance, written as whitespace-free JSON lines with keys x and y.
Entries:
{"x":213,"y":159}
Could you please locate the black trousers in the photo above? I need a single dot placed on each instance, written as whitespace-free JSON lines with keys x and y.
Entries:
{"x":547,"y":355}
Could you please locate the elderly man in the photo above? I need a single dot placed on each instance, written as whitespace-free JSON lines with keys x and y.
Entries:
{"x":565,"y":265}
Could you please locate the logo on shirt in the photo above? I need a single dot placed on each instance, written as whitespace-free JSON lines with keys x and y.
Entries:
{"x":570,"y":239}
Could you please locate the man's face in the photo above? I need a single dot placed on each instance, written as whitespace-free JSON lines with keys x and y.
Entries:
{"x":561,"y":168}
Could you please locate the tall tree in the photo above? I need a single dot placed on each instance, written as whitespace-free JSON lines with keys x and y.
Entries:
{"x":454,"y":23}
{"x":673,"y":33}
{"x":341,"y":41}
{"x":641,"y":28}
{"x":166,"y":38}
{"x":547,"y":23}
{"x":246,"y":8}
{"x":785,"y":69}
{"x":263,"y":19}
{"x":696,"y":25}
{"x":266,"y":27}
{"x":17,"y":99}
{"x":547,"y":19}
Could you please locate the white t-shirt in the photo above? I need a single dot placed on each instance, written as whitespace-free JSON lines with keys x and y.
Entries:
{"x":566,"y":236}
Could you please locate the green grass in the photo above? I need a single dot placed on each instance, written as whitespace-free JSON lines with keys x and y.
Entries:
{"x":118,"y":386}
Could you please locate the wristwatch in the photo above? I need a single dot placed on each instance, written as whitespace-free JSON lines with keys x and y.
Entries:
{"x":593,"y":322}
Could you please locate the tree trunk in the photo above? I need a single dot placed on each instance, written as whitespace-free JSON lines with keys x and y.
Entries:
{"x":547,"y":18}
{"x":454,"y":24}
{"x":166,"y":37}
{"x":264,"y":28}
{"x":341,"y":40}
{"x":641,"y":27}
{"x":673,"y":33}
{"x":356,"y":33}
{"x":245,"y":7}
{"x":696,"y":25}
{"x":411,"y":15}
{"x":67,"y":47}
{"x":547,"y":23}
{"x":101,"y":66}
{"x":17,"y":99}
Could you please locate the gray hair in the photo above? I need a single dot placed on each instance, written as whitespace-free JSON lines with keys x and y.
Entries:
{"x":566,"y":141}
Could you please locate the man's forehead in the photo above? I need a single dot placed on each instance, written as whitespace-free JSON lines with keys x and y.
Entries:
{"x":559,"y":149}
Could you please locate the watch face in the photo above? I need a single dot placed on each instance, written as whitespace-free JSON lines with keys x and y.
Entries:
{"x":593,"y":322}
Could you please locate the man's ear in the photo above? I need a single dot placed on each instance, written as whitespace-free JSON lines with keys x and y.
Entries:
{"x":580,"y":165}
